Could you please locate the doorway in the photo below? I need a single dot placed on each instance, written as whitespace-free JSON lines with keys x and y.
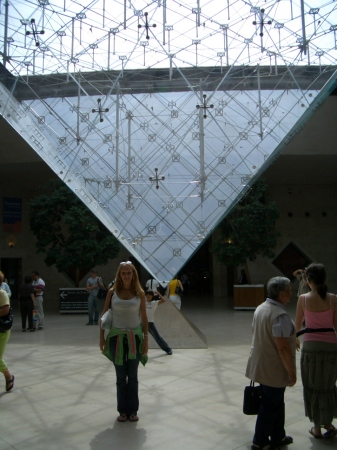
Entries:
{"x":12,"y":269}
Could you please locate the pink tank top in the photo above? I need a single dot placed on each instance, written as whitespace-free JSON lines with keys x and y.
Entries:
{"x":321,"y":319}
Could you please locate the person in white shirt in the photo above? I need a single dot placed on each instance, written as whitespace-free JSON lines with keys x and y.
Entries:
{"x":151,"y":306}
{"x":152,"y":285}
{"x":39,"y":286}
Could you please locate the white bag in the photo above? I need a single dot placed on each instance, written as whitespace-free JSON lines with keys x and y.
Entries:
{"x":106,"y":320}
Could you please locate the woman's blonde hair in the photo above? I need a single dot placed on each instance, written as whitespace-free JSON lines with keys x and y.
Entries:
{"x":135,"y":284}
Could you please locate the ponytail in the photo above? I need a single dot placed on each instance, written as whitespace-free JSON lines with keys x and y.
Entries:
{"x":322,"y":290}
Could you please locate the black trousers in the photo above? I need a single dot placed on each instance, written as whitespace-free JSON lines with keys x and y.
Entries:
{"x":26,"y":309}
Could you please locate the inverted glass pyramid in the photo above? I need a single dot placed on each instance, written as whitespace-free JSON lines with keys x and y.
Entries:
{"x":161,"y":129}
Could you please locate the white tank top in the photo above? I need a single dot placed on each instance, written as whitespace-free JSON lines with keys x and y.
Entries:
{"x":125,"y":313}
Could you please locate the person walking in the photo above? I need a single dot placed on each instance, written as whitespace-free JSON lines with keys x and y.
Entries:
{"x":127,"y":341}
{"x":303,"y":287}
{"x":319,"y":352}
{"x":27,"y":303}
{"x":4,"y":337}
{"x":272,"y":363}
{"x":39,"y":286}
{"x":174,"y":290}
{"x":151,"y":306}
{"x":94,"y":283}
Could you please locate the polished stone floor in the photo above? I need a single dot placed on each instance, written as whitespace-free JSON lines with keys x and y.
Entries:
{"x":65,"y":396}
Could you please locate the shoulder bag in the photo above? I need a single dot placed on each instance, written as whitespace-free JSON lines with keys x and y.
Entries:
{"x":178,"y":290}
{"x":106,"y":320}
{"x":6,"y":322}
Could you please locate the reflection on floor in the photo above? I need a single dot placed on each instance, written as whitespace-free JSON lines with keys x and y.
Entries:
{"x":65,"y":397}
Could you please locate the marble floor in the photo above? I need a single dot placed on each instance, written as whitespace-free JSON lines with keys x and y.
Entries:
{"x":65,"y":395}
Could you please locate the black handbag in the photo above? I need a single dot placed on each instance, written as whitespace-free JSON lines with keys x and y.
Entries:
{"x":102,"y":293}
{"x":6,"y":322}
{"x":251,"y":399}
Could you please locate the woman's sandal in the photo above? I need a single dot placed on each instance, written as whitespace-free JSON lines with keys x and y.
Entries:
{"x":133,"y":418}
{"x":330,"y":433}
{"x":122,"y":418}
{"x":316,"y":436}
{"x":10,"y":384}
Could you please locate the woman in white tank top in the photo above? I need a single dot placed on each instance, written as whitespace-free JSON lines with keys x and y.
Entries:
{"x":127,"y":341}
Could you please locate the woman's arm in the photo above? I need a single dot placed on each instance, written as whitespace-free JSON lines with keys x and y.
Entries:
{"x":106,"y":307}
{"x":181,"y":286}
{"x":334,"y":302}
{"x":162,"y":300}
{"x":7,"y":289}
{"x":298,"y":272}
{"x":299,"y":319}
{"x":100,"y":283}
{"x":145,"y":324}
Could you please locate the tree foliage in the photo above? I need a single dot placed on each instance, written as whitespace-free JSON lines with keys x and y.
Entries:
{"x":67,"y":232}
{"x":249,"y":230}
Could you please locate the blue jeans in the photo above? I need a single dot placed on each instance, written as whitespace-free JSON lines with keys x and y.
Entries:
{"x":93,"y":303}
{"x":126,"y":378}
{"x":156,"y":336}
{"x":270,"y":419}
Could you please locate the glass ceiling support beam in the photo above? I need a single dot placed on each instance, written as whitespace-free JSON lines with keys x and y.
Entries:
{"x":78,"y":138}
{"x":43,"y":4}
{"x":224,"y":27}
{"x":170,"y":72}
{"x":259,"y":101}
{"x":202,"y":146}
{"x":5,"y":34}
{"x":117,"y":137}
{"x":129,"y":116}
{"x":304,"y":48}
{"x":72,"y":38}
{"x":164,"y":21}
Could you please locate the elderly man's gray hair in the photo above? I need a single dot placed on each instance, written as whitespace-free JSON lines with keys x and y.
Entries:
{"x":276,"y":285}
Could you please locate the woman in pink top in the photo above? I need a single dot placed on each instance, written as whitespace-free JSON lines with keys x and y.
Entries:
{"x":319,"y":352}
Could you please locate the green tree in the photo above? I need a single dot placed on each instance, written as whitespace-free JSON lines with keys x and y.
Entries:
{"x":249,"y":230}
{"x":68,"y":233}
